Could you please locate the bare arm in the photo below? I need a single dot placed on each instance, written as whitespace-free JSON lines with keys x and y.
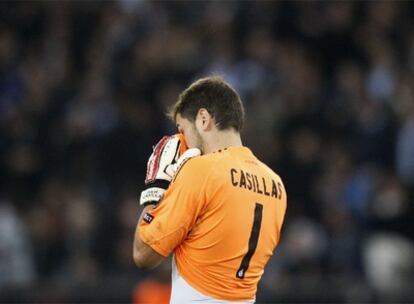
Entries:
{"x":144,"y":255}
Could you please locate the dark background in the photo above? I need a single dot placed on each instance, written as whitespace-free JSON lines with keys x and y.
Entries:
{"x":328,"y":89}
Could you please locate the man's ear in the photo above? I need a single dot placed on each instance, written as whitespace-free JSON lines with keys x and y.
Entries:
{"x":206,"y":121}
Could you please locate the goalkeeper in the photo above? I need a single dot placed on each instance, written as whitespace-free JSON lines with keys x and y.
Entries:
{"x":209,"y":201}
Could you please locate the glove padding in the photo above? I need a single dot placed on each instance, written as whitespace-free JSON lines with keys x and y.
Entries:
{"x":163,"y":163}
{"x":189,"y":153}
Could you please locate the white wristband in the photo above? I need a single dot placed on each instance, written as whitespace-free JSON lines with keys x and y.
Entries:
{"x":151,"y":195}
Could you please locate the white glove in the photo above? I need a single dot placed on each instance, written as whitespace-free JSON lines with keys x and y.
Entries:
{"x":162,"y":166}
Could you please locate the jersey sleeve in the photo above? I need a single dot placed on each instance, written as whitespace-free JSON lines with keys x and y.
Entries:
{"x":168,"y":224}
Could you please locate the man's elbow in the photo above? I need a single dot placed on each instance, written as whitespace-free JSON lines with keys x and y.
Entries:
{"x":143,"y":260}
{"x":139,"y":260}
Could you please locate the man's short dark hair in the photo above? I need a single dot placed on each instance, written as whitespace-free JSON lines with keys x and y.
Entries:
{"x":217,"y":97}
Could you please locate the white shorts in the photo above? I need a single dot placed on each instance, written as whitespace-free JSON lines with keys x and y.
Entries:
{"x":182,"y":292}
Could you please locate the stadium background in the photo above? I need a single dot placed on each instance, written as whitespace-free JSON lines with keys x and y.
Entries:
{"x":328,"y":89}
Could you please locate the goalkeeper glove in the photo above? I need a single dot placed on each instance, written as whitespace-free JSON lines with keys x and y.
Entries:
{"x":167,"y":157}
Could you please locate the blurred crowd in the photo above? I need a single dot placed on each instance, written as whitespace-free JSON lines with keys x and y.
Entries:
{"x":328,"y":89}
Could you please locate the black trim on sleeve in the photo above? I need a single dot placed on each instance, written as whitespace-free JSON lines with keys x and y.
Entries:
{"x":159,"y":183}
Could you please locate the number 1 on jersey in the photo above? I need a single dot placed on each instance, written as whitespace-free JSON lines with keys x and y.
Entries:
{"x":254,"y":237}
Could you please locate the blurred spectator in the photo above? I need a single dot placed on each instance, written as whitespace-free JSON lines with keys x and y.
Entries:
{"x":16,"y":262}
{"x":328,"y":92}
{"x":388,"y":261}
{"x":405,"y":148}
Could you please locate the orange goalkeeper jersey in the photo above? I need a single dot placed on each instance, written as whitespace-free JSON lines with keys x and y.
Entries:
{"x":222,"y":217}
